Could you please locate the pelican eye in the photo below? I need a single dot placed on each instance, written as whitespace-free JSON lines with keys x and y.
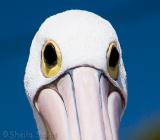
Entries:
{"x":50,"y":56}
{"x":113,"y":60}
{"x":51,"y":59}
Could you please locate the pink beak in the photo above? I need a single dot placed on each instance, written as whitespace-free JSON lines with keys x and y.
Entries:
{"x":81,"y":106}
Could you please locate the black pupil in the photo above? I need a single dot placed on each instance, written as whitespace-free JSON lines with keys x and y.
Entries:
{"x":50,"y":55}
{"x":114,"y":57}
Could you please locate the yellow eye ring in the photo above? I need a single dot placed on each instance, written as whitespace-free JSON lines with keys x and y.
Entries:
{"x":113,"y":60}
{"x":51,"y":59}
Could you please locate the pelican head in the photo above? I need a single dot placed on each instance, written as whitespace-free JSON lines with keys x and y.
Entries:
{"x":75,"y":78}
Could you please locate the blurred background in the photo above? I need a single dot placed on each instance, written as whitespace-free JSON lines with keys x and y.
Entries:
{"x":137,"y":23}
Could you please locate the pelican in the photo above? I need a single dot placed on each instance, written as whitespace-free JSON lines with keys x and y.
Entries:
{"x":75,"y":78}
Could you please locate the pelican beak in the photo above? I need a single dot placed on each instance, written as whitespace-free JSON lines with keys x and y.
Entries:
{"x":80,"y":105}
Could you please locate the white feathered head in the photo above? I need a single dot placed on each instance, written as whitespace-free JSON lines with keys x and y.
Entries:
{"x":75,"y":78}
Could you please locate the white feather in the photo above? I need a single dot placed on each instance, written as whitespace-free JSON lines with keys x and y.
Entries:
{"x":83,"y":38}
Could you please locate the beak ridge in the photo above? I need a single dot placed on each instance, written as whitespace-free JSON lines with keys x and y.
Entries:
{"x":82,"y":109}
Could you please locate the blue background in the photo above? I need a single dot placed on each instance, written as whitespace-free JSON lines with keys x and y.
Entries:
{"x":137,"y":24}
